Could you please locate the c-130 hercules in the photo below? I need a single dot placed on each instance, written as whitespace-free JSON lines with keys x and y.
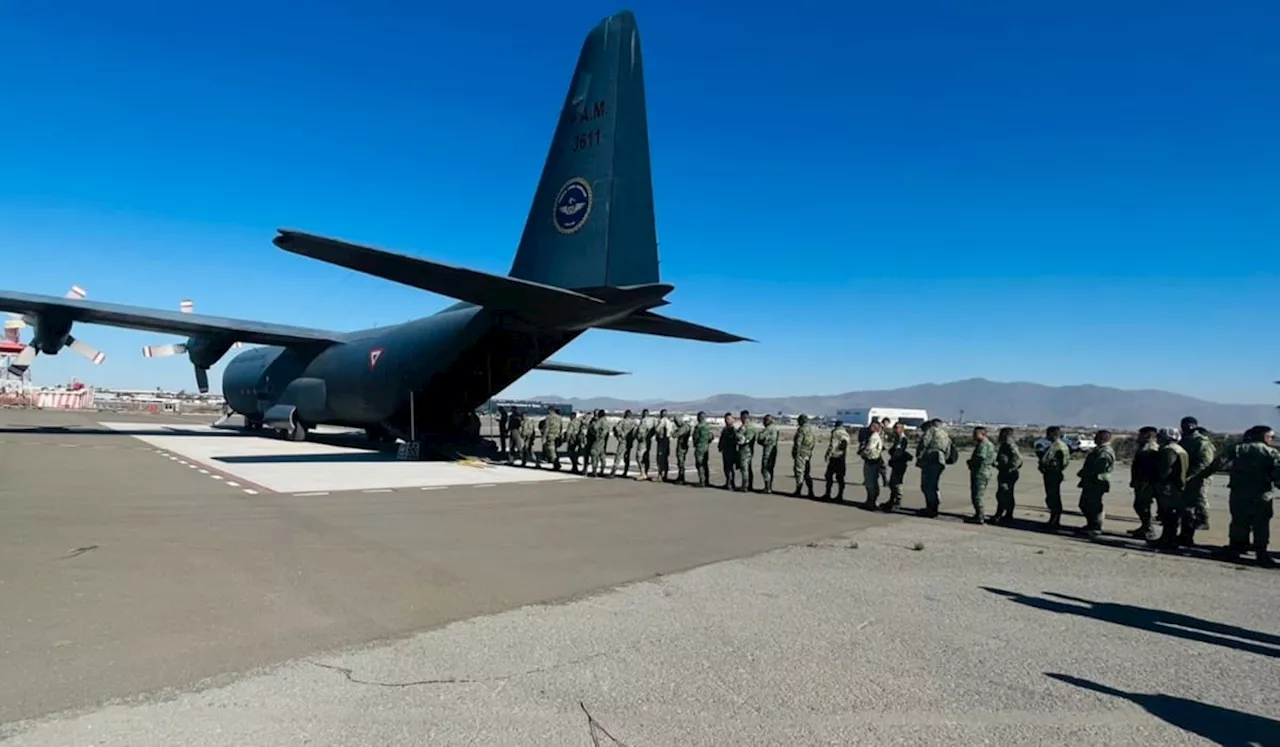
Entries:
{"x":588,"y":258}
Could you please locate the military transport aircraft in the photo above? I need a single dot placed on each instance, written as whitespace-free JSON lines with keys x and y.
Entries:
{"x":588,"y":259}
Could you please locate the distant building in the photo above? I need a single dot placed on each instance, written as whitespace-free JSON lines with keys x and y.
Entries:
{"x":862,"y":416}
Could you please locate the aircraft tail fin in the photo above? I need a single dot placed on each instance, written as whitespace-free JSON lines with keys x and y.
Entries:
{"x":591,"y":224}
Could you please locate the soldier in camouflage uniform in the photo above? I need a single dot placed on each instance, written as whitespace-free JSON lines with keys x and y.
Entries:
{"x":552,"y":429}
{"x":837,"y":460}
{"x":1171,"y":480}
{"x":933,"y":453}
{"x":767,"y":440}
{"x":1142,"y":478}
{"x":746,"y":449}
{"x":1200,"y":453}
{"x":802,"y":455}
{"x":625,"y":433}
{"x":980,"y":463}
{"x":898,"y":455}
{"x":728,"y":446}
{"x":872,"y":453}
{"x":702,"y":437}
{"x":576,"y":433}
{"x":683,"y":433}
{"x":1053,"y":466}
{"x":1008,"y":469}
{"x":644,"y":442}
{"x":662,"y":433}
{"x":597,"y":443}
{"x":1254,"y":466}
{"x":528,"y":434}
{"x":1095,"y":482}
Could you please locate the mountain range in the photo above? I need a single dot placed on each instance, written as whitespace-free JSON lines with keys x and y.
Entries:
{"x":987,"y":401}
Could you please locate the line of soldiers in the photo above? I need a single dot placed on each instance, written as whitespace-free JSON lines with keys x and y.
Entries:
{"x":1170,"y":469}
{"x":586,"y":439}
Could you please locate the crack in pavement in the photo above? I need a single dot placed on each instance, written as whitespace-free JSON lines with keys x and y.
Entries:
{"x":351,"y":677}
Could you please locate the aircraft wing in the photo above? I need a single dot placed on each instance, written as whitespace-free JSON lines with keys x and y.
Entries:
{"x":472,"y":286}
{"x":574,"y":368}
{"x":649,"y":323}
{"x":169,"y":322}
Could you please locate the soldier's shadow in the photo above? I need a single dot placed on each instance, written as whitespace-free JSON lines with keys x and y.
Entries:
{"x":1222,"y":726}
{"x":1172,"y":624}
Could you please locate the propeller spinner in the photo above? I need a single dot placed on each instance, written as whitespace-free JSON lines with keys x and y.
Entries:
{"x":160,"y":351}
{"x":49,"y":336}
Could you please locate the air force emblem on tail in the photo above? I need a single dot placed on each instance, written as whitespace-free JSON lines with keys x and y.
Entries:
{"x":573,"y":205}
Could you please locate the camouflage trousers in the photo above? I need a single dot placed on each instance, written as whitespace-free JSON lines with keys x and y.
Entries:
{"x":642,"y":456}
{"x":517,"y":448}
{"x":682,"y":452}
{"x":1195,"y":501}
{"x":871,"y":479}
{"x":702,"y":465}
{"x":1250,"y":523}
{"x":768,"y":461}
{"x":746,"y":472}
{"x":930,"y":479}
{"x":978,"y":481}
{"x":801,"y":469}
{"x":1091,"y":506}
{"x":551,"y":452}
{"x":595,"y":462}
{"x":622,"y":457}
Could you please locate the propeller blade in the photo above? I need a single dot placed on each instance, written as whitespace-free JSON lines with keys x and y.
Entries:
{"x":161,"y":351}
{"x":76,"y":293}
{"x":189,"y":307}
{"x":95,"y":356}
{"x":25,"y":358}
{"x":202,"y":379}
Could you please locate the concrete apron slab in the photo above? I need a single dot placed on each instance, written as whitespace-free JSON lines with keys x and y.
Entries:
{"x":288,"y":467}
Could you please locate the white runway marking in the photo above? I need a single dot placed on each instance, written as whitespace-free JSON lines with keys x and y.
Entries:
{"x":288,"y":467}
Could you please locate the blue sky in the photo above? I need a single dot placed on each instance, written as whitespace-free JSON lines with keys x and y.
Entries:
{"x":882,"y":194}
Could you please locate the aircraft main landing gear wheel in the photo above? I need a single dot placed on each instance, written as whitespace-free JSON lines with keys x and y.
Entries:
{"x":297,"y":432}
{"x":253,"y":424}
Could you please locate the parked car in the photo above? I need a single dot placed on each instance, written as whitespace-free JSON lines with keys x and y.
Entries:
{"x":1077,"y":444}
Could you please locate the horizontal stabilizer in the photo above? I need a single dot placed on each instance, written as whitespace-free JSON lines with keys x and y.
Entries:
{"x":572,"y":368}
{"x":649,"y":323}
{"x":471,"y":286}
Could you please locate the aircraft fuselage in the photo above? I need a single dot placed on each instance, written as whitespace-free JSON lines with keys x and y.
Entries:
{"x":450,"y":363}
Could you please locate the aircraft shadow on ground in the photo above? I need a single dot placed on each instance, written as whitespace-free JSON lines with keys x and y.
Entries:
{"x":1222,"y":726}
{"x":1167,"y":623}
{"x":372,"y":457}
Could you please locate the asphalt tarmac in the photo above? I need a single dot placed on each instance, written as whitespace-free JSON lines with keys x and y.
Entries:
{"x":126,"y":575}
